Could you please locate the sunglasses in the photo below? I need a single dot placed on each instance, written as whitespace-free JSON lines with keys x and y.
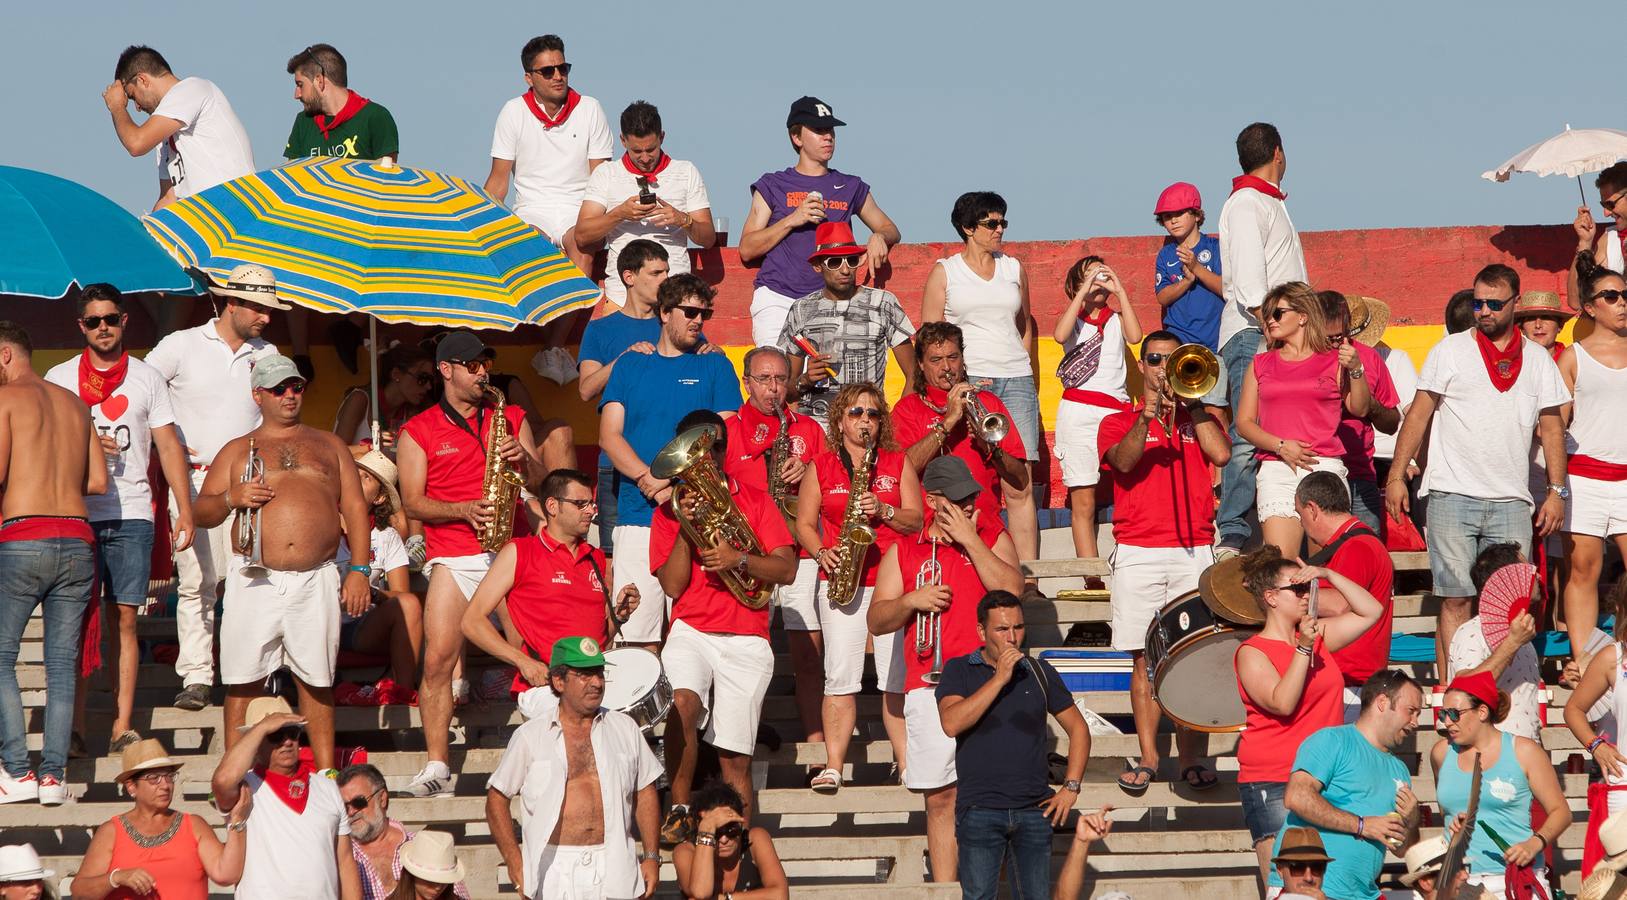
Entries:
{"x":860,"y":412}
{"x":1298,"y":590}
{"x":473,"y":366}
{"x":994,"y":224}
{"x":360,"y":803}
{"x":548,"y":71}
{"x":732,"y":831}
{"x":297,"y":387}
{"x":1154,"y":359}
{"x":1297,"y":867}
{"x":1279,"y":312}
{"x":111,"y":320}
{"x":1337,"y":339}
{"x":1453,"y":714}
{"x":836,"y":262}
{"x":284,"y":734}
{"x":1493,"y":305}
{"x":1609,"y":295}
{"x":690,"y":312}
{"x":1610,"y":204}
{"x":580,"y":504}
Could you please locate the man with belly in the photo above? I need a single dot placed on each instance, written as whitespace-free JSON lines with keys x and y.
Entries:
{"x":585,"y":778}
{"x":287,"y":613}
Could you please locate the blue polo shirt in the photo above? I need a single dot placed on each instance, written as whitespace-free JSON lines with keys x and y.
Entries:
{"x":1007,"y":747}
{"x":656,"y":392}
{"x":1195,"y":317}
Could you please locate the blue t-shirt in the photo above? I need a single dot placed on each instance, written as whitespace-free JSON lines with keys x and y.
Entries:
{"x":1195,"y":317}
{"x":607,"y":336}
{"x":1360,"y":779}
{"x":656,"y":392}
{"x":785,"y":269}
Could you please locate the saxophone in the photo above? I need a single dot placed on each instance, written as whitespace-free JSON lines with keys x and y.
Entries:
{"x":687,"y":460}
{"x":778,"y":453}
{"x":501,"y":485}
{"x":853,"y":545}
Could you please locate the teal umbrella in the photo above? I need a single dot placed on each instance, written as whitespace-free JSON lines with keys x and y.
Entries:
{"x":56,"y":235}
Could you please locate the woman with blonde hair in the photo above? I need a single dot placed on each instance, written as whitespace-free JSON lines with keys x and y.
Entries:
{"x":1294,"y":396}
{"x":859,"y":428}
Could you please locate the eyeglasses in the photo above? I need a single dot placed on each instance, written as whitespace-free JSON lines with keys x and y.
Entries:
{"x":579,"y":504}
{"x":769,"y":379}
{"x":297,"y":387}
{"x":1493,"y":305}
{"x":1298,"y":590}
{"x":690,"y":312}
{"x":836,"y":262}
{"x":732,"y":831}
{"x":284,"y":734}
{"x":1279,"y":312}
{"x":860,"y":412}
{"x":1154,"y":359}
{"x":548,"y":71}
{"x":157,"y":778}
{"x":994,"y":224}
{"x":1297,"y":867}
{"x":1609,"y":295}
{"x":111,"y":320}
{"x":473,"y":366}
{"x":360,"y":803}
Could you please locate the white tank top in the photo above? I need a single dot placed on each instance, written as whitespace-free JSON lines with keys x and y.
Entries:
{"x":1612,"y":252}
{"x":986,"y":311}
{"x":1616,"y":697}
{"x":1599,"y":421}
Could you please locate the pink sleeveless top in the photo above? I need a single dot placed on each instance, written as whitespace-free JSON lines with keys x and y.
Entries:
{"x":174,"y":865}
{"x":1299,"y":401}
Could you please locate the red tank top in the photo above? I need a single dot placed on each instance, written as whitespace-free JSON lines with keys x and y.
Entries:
{"x":175,"y":866}
{"x":886,"y":480}
{"x":1266,"y":749}
{"x":556,"y":594}
{"x":455,"y":467}
{"x":959,"y":621}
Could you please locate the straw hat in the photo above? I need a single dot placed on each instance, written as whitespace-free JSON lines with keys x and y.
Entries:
{"x":1301,"y":844}
{"x":1613,"y":837}
{"x":1369,"y":317}
{"x":1425,"y":858}
{"x":430,"y":856}
{"x":19,"y":862}
{"x":261,"y":707}
{"x":1221,"y":586}
{"x":144,"y":756}
{"x":254,"y":283}
{"x":1603,"y":884}
{"x":382,"y":469}
{"x":1533,"y":304}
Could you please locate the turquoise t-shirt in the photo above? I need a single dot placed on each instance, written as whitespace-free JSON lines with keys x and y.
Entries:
{"x":1358,"y":778}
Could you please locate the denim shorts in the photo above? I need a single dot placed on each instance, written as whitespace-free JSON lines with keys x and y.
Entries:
{"x":1263,"y":808}
{"x":606,"y":495}
{"x":1022,"y":400}
{"x":124,"y":559}
{"x":1460,"y":527}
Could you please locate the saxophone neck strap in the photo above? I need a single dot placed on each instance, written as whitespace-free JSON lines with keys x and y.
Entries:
{"x":458,"y":420}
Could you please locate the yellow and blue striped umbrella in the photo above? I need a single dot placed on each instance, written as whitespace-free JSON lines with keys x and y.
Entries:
{"x":400,"y":244}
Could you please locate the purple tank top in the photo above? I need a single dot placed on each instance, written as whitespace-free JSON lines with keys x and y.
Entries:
{"x":785,"y":269}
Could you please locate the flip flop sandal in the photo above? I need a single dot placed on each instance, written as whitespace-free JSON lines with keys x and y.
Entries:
{"x":827,"y":782}
{"x":1206,"y":778}
{"x":1130,"y":787}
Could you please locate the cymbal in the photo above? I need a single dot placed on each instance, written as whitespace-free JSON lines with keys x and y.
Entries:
{"x":1221,"y":586}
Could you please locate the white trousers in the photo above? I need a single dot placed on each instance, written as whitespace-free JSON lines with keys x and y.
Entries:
{"x":198,"y":570}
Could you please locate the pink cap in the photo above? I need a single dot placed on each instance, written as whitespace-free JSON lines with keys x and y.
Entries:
{"x":1177,"y":197}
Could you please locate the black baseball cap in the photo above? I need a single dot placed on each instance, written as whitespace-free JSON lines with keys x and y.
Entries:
{"x":460,"y":346}
{"x":951,"y":477}
{"x":813,"y":112}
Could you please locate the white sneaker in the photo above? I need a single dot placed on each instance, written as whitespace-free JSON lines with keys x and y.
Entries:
{"x":52,"y":791}
{"x":434,"y":781}
{"x":14,"y":789}
{"x":460,"y":691}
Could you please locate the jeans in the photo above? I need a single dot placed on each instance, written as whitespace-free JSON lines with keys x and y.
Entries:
{"x":124,"y":550}
{"x":1460,"y":527}
{"x":1366,"y":502}
{"x":1021,"y":398}
{"x":986,"y":834}
{"x":55,"y":572}
{"x":609,"y":490}
{"x":1232,"y":523}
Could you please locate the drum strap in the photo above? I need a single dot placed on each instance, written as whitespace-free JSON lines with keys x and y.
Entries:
{"x":1326,"y":555}
{"x":612,"y":628}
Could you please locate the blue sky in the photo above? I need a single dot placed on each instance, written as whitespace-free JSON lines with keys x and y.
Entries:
{"x":1079,"y":115}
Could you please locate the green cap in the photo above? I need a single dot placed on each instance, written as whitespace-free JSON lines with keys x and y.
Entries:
{"x":577,"y":652}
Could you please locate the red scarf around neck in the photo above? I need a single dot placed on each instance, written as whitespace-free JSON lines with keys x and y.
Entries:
{"x":1258,"y":184}
{"x":758,"y":429}
{"x":353,"y":105}
{"x":293,"y":790}
{"x":1097,"y":318}
{"x":96,"y":385}
{"x":1558,"y":350}
{"x":660,"y":166}
{"x":571,"y":99}
{"x":1503,"y":366}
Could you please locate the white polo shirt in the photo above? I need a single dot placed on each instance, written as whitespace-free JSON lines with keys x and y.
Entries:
{"x":209,"y":388}
{"x":292,"y":854}
{"x":550,"y":164}
{"x":128,"y":415}
{"x":211,"y":147}
{"x":535,"y":767}
{"x":1259,"y":249}
{"x":679,"y":184}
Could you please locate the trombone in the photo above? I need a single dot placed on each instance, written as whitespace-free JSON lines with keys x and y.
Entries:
{"x":1190,"y":372}
{"x":928,"y":627}
{"x":246,"y":532}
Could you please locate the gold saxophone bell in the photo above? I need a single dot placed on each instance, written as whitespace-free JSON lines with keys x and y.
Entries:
{"x":687,"y":460}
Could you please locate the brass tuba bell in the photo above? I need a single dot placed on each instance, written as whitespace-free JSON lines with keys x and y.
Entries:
{"x":687,"y":460}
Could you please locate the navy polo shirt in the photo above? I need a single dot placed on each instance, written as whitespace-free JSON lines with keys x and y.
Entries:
{"x":1007,"y":747}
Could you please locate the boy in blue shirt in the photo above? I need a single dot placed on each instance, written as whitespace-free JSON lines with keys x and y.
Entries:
{"x":1188,"y":268}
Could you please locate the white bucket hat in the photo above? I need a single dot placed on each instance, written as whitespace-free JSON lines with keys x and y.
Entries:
{"x":430,"y":856}
{"x":19,"y":862}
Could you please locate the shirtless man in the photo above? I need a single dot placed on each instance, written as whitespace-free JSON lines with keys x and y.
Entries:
{"x":287,"y":610}
{"x":42,"y":498}
{"x":574,"y":845}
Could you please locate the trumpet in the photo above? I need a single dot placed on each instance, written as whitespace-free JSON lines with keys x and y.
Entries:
{"x":928,"y":627}
{"x":246,"y":532}
{"x":1190,"y":372}
{"x":989,"y":427}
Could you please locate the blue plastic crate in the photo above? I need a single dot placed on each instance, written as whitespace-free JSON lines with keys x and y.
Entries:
{"x":1080,"y":679}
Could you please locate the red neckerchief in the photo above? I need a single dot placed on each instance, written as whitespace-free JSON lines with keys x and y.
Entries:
{"x":1503,"y":366}
{"x":757,"y":428}
{"x":1558,"y":350}
{"x":660,"y":166}
{"x":571,"y":99}
{"x":294,"y":790}
{"x":1098,"y":318}
{"x":96,"y":385}
{"x":1258,"y":184}
{"x":353,"y":105}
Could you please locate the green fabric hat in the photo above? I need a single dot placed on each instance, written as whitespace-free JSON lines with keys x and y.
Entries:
{"x":577,"y":652}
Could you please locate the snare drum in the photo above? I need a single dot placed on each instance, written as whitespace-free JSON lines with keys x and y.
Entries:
{"x":635,"y":684}
{"x":1189,"y":657}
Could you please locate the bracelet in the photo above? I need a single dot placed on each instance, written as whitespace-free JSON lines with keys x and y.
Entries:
{"x":1594,"y":744}
{"x":110,"y":881}
{"x":1303,"y":650}
{"x":888,"y":512}
{"x":1281,"y":443}
{"x":1538,"y":836}
{"x":706,"y":839}
{"x":1361,"y":824}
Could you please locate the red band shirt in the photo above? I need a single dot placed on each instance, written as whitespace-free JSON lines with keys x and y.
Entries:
{"x":958,"y":623}
{"x":913,"y":418}
{"x":706,"y":605}
{"x":886,"y":481}
{"x":1364,"y":560}
{"x":751,"y":434}
{"x":455,"y":468}
{"x":1168,"y":499}
{"x":557,"y":593}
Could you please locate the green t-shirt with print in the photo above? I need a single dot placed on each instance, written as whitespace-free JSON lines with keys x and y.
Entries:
{"x":369,"y":134}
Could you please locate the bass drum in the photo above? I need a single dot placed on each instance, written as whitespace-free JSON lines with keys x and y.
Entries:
{"x":634,"y":683}
{"x":1189,"y":661}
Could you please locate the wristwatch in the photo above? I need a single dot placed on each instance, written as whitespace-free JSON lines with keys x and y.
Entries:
{"x":1563,"y":492}
{"x":238,"y":826}
{"x":650,"y":856}
{"x":1359,"y":374}
{"x":1071,"y":784}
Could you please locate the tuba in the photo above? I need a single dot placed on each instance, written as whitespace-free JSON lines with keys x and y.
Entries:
{"x":784,"y":496}
{"x":1191,"y":371}
{"x":501,"y":485}
{"x":687,"y":460}
{"x":853,"y":544}
{"x":247,"y":537}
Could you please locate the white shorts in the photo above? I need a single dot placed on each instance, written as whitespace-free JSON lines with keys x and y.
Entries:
{"x":466,"y":571}
{"x":1277,"y":481}
{"x":1596,"y":508}
{"x":282,"y":618}
{"x":799,"y":600}
{"x":1077,"y":425}
{"x":769,"y":310}
{"x":631,"y":565}
{"x":932,"y":753}
{"x":552,"y":220}
{"x":730,"y":675}
{"x":570,"y":873}
{"x":1144,"y":581}
{"x":845,"y":636}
